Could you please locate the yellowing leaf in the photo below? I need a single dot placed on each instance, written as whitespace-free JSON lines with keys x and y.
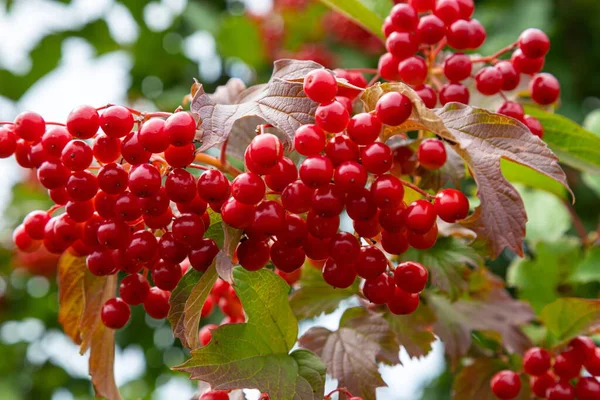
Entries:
{"x":71,"y":292}
{"x":566,"y":318}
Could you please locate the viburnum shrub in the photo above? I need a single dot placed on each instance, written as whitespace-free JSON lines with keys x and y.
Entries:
{"x":326,"y":187}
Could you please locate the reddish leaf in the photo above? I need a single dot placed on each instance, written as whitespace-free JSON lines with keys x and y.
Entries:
{"x":413,"y":332}
{"x":71,"y":293}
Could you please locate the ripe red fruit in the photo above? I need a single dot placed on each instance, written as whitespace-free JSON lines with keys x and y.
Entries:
{"x":114,"y":234}
{"x":205,"y":337}
{"x":322,"y":227}
{"x":83,"y":122}
{"x":392,"y":219}
{"x":294,"y":232}
{"x":297,"y":197}
{"x":180,"y":156}
{"x":454,"y":92}
{"x":52,"y":174}
{"x":512,"y":109}
{"x":566,"y":367}
{"x":394,"y":242}
{"x":447,"y":10}
{"x":115,"y":313}
{"x":536,"y":361}
{"x":432,"y":154}
{"x":344,"y":248}
{"x":332,"y":117}
{"x":144,"y":180}
{"x":403,"y":303}
{"x":106,"y":149}
{"x":526,"y":65}
{"x":393,"y":108}
{"x":338,"y":275}
{"x":166,"y":275}
{"x":269,"y":218}
{"x":23,"y":241}
{"x":458,"y":67}
{"x":377,"y":158}
{"x":328,"y":201}
{"x":370,"y":262}
{"x":285,"y":258}
{"x":80,"y":211}
{"x":116,"y":121}
{"x":478,"y":34}
{"x":510,"y":76}
{"x":467,"y":7}
{"x":171,"y":250}
{"x":180,"y":128}
{"x":309,"y":140}
{"x":213,"y":186}
{"x":284,"y":173}
{"x":422,"y":5}
{"x":360,"y":205}
{"x":460,"y":35}
{"x":404,"y":17}
{"x":156,"y":304}
{"x":541,"y":384}
{"x":451,"y":205}
{"x":431,"y":29}
{"x":592,"y":364}
{"x":380,"y":289}
{"x":126,"y":206}
{"x":561,"y":391}
{"x":413,"y":70}
{"x":54,"y":140}
{"x":113,"y":179}
{"x":488,"y":81}
{"x":411,"y":277}
{"x":320,"y":85}
{"x":180,"y":186}
{"x":354,"y":78}
{"x":428,"y":95}
{"x":402,"y":44}
{"x":316,"y":171}
{"x":534,"y":125}
{"x":35,"y":224}
{"x":534,"y":43}
{"x":506,"y":385}
{"x":387,"y":191}
{"x":367,"y":228}
{"x":341,"y":148}
{"x":545,"y":89}
{"x":255,"y":167}
{"x":189,"y":229}
{"x":364,"y":128}
{"x":8,"y":141}
{"x":248,"y":188}
{"x":82,"y":186}
{"x":350,"y":176}
{"x":265,"y":150}
{"x":420,"y":216}
{"x":29,"y":126}
{"x":587,"y":389}
{"x":580,"y":349}
{"x":142,"y":248}
{"x":134,"y":289}
{"x":153,"y":136}
{"x":215,"y":394}
{"x":253,"y":254}
{"x":388,"y":67}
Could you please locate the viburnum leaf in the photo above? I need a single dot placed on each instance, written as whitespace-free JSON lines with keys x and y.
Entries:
{"x":314,"y":296}
{"x":473,"y":381}
{"x":482,"y":139}
{"x":71,"y":294}
{"x":447,"y":262}
{"x":224,"y":259}
{"x":98,"y":289}
{"x":256,"y":354}
{"x":413,"y":331}
{"x":352,"y":352}
{"x":491,"y":309}
{"x":453,"y":171}
{"x":587,"y":270}
{"x":566,"y":318}
{"x":186,"y":301}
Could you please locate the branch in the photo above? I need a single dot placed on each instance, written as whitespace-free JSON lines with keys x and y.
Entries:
{"x":417,"y":189}
{"x":577,"y":223}
{"x":215,"y":162}
{"x":493,"y":57}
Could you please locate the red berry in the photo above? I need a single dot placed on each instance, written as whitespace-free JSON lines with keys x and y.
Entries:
{"x":428,"y":95}
{"x":332,"y":117}
{"x":52,"y":174}
{"x":510,"y":76}
{"x":405,"y":160}
{"x":285,"y":258}
{"x":344,"y":248}
{"x":592,"y":364}
{"x":189,"y":229}
{"x":393,"y":108}
{"x":265,"y":150}
{"x":534,"y":43}
{"x":328,"y":201}
{"x":388,"y":67}
{"x":489,"y":81}
{"x":134,"y":289}
{"x":83,"y":122}
{"x":370,"y":263}
{"x":432,"y":154}
{"x":402,"y":44}
{"x":447,"y":10}
{"x":126,"y":206}
{"x":526,"y":65}
{"x":113,"y":179}
{"x":22,"y":150}
{"x":255,"y":167}
{"x":205,"y":337}
{"x":114,"y":234}
{"x":580,"y":349}
{"x":467,"y":7}
{"x":116,"y":121}
{"x":404,"y":17}
{"x":156,"y":204}
{"x":541,"y":384}
{"x":360,"y":205}
{"x":8,"y":141}
{"x":431,"y":29}
{"x":29,"y":126}
{"x":237,"y":214}
{"x":180,"y":128}
{"x":402,"y":302}
{"x":460,"y":35}
{"x":34,"y":224}
{"x":478,"y":34}
{"x":156,"y":304}
{"x":506,"y":385}
{"x":180,"y":156}
{"x":284,"y":173}
{"x":451,"y":205}
{"x":566,"y":367}
{"x":320,"y":85}
{"x":269,"y":217}
{"x":294,"y":232}
{"x":458,"y":67}
{"x":144,"y":180}
{"x":166,"y":275}
{"x":420,"y":216}
{"x":413,"y":70}
{"x":248,"y":188}
{"x":253,"y":254}
{"x":534,"y":125}
{"x":454,"y":92}
{"x":354,"y":78}
{"x":77,"y":155}
{"x":367,"y":228}
{"x":394,"y":243}
{"x":297,"y":197}
{"x":143,"y":247}
{"x":364,"y":128}
{"x":392,"y":219}
{"x":213,"y":186}
{"x":561,"y":391}
{"x":377,"y":158}
{"x":338,"y":275}
{"x":316,"y":171}
{"x":387,"y":192}
{"x":322,"y":227}
{"x":350,"y":176}
{"x":315,"y":248}
{"x":106,"y":149}
{"x":132,"y":150}
{"x":411,"y":277}
{"x":587,"y":389}
{"x":512,"y":109}
{"x":115,"y":313}
{"x":422,"y":5}
{"x":171,"y":250}
{"x":380,"y":289}
{"x":180,"y":186}
{"x":309,"y":140}
{"x":545,"y":89}
{"x":536,"y":361}
{"x":54,"y":140}
{"x":341,"y":148}
{"x":23,"y":241}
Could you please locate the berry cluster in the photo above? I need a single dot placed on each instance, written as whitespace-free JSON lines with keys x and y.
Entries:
{"x":418,"y":30}
{"x":556,"y":377}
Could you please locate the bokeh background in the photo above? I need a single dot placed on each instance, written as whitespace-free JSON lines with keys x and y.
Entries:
{"x":55,"y":55}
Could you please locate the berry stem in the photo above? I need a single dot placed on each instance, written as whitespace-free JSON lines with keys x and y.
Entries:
{"x":131,"y":110}
{"x":215,"y":162}
{"x":158,"y":114}
{"x":55,"y":123}
{"x":364,"y":70}
{"x":434,"y":53}
{"x":338,"y":390}
{"x":54,"y":208}
{"x":417,"y":189}
{"x":6,"y":123}
{"x":196,"y":166}
{"x":577,"y":223}
{"x":493,"y":57}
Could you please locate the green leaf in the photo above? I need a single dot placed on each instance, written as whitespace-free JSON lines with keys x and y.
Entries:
{"x":351,"y":353}
{"x":588,"y":270}
{"x":537,"y":279}
{"x":315,"y":297}
{"x":440,"y":388}
{"x":573,"y":145}
{"x":186,"y":301}
{"x":302,"y":26}
{"x":592,"y":122}
{"x":592,"y":181}
{"x":255,"y":354}
{"x":367,"y":13}
{"x":239,"y":37}
{"x":446,"y":261}
{"x":539,"y":226}
{"x":566,"y":318}
{"x":518,"y":173}
{"x":215,"y":231}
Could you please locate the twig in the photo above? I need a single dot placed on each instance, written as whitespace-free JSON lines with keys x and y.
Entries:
{"x":497,"y":54}
{"x":338,"y":390}
{"x":215,"y":162}
{"x":196,"y":166}
{"x":417,"y":189}
{"x":54,"y":208}
{"x":131,"y":110}
{"x":577,"y":223}
{"x":363,"y":70}
{"x":159,"y":114}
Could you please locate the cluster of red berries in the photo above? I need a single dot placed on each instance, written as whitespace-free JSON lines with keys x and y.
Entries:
{"x":556,"y":377}
{"x":418,"y":30}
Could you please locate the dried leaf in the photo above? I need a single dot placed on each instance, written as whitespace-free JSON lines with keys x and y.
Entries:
{"x":482,"y":139}
{"x":351,"y":353}
{"x":71,"y":293}
{"x":228,"y":93}
{"x":224,"y":259}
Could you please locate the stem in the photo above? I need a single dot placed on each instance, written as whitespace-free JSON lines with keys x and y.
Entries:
{"x":6,"y":123}
{"x":437,"y":50}
{"x":196,"y":166}
{"x":577,"y":223}
{"x":54,"y":208}
{"x":363,"y":70}
{"x":417,"y":189}
{"x":375,"y":79}
{"x":55,"y":123}
{"x":215,"y":162}
{"x":340,"y":390}
{"x":159,"y":114}
{"x":493,"y":57}
{"x":131,"y":110}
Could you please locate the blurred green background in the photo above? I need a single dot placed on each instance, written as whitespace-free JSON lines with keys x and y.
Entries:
{"x":55,"y":55}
